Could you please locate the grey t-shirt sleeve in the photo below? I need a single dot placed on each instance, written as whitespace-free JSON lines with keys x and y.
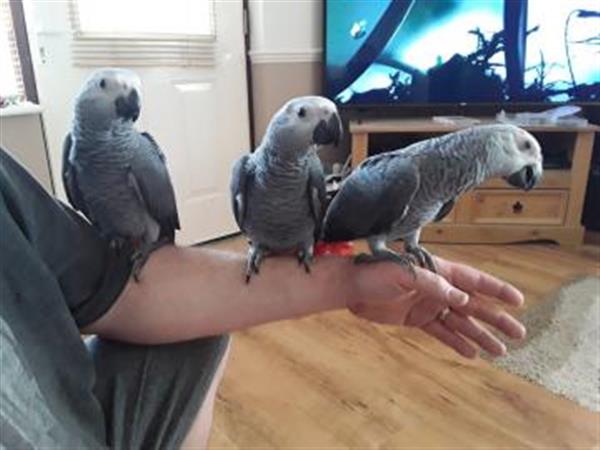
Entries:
{"x":89,"y":271}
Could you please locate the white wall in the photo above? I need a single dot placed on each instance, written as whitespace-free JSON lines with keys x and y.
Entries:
{"x":286,"y":30}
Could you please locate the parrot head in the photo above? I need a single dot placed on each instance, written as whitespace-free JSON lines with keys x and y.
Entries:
{"x":109,"y":95}
{"x":517,"y":155}
{"x":305,"y":122}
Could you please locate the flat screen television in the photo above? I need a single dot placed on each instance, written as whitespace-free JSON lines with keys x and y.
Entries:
{"x":408,"y":52}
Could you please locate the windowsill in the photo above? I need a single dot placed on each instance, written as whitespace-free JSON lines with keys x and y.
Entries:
{"x":22,"y":109}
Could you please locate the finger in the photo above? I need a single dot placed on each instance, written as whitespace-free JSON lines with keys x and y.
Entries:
{"x":451,"y":339}
{"x":472,"y":280}
{"x":487,"y":312}
{"x":470,"y":329}
{"x":435,"y":287}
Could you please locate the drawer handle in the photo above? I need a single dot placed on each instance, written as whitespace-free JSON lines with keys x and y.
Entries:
{"x":517,"y":207}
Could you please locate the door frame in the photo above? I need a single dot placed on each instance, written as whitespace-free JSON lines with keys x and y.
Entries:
{"x":249,"y":89}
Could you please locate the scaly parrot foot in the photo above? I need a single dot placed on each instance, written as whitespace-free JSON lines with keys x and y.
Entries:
{"x":305,"y":258}
{"x":140,"y":257}
{"x":255,"y":257}
{"x":422,"y":256}
{"x":405,"y":261}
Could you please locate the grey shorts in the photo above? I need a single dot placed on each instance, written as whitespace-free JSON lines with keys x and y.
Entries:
{"x":139,"y":396}
{"x":150,"y":395}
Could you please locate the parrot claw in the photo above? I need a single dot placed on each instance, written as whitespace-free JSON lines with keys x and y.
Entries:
{"x":422,"y":256}
{"x":406,"y":261}
{"x":139,"y":260}
{"x":255,"y":257}
{"x":364,"y":258}
{"x":252,"y":268}
{"x":140,"y":257}
{"x":117,"y":244}
{"x":305,"y":258}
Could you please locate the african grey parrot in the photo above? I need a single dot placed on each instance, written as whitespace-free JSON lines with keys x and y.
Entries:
{"x":393,"y":195}
{"x":278,"y":192}
{"x":114,"y":174}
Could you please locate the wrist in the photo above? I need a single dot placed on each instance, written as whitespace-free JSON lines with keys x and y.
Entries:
{"x":343,"y":282}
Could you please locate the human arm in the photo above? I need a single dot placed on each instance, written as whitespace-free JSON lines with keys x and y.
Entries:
{"x":186,"y":293}
{"x":190,"y":292}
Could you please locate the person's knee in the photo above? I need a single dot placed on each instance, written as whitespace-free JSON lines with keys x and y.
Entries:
{"x":183,"y":375}
{"x":199,"y":432}
{"x":208,"y":351}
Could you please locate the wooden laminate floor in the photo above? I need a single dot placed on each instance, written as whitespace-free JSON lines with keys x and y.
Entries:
{"x":334,"y":381}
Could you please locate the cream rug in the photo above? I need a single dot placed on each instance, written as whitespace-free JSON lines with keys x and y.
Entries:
{"x":562,"y":349}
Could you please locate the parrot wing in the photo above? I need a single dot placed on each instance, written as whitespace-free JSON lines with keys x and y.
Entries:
{"x":242,"y":175}
{"x":150,"y":177}
{"x":372,"y":198}
{"x":317,"y":193}
{"x":69,"y":178}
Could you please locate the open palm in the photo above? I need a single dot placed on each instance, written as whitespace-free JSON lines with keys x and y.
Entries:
{"x":449,"y":306}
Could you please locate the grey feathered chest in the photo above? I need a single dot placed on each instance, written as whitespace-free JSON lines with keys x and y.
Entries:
{"x":444,"y":175}
{"x":279,"y":215}
{"x":103,"y":174}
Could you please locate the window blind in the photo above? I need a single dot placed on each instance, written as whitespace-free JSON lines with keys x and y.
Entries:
{"x":145,"y":33}
{"x":11,"y":75}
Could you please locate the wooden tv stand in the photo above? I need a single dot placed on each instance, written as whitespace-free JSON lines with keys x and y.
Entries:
{"x":495,"y":212}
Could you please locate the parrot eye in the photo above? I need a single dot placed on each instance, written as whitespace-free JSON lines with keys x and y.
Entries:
{"x":102,"y":83}
{"x":527,"y":145}
{"x":302,"y":112}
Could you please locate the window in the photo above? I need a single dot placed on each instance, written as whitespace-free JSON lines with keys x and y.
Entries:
{"x":143,"y":32}
{"x":11,"y":79}
{"x":137,"y":17}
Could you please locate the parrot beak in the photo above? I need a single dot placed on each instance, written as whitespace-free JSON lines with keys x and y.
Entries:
{"x":328,"y":132}
{"x":526,"y":178}
{"x":128,"y":108}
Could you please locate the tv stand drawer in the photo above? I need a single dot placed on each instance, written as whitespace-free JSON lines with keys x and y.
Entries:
{"x":499,"y":206}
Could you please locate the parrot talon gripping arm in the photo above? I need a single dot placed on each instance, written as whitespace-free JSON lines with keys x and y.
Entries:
{"x":405,"y":261}
{"x":422,"y":256}
{"x":117,"y":243}
{"x":141,"y":256}
{"x":255,"y":257}
{"x":305,"y":257}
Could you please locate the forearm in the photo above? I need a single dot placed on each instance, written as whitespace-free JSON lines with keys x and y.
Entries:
{"x":185,"y":293}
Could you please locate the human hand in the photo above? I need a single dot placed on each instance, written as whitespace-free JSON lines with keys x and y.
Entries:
{"x":438,"y":304}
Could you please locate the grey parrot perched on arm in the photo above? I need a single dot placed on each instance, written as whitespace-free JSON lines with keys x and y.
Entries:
{"x":393,"y":195}
{"x":112,"y":173}
{"x":278,"y":192}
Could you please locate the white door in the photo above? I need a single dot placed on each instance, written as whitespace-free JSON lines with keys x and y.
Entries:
{"x":198,"y":115}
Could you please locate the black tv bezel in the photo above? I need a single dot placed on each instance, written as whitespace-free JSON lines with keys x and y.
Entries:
{"x":456,"y":108}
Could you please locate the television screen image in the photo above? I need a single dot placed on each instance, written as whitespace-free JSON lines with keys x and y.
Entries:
{"x":462,"y":51}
